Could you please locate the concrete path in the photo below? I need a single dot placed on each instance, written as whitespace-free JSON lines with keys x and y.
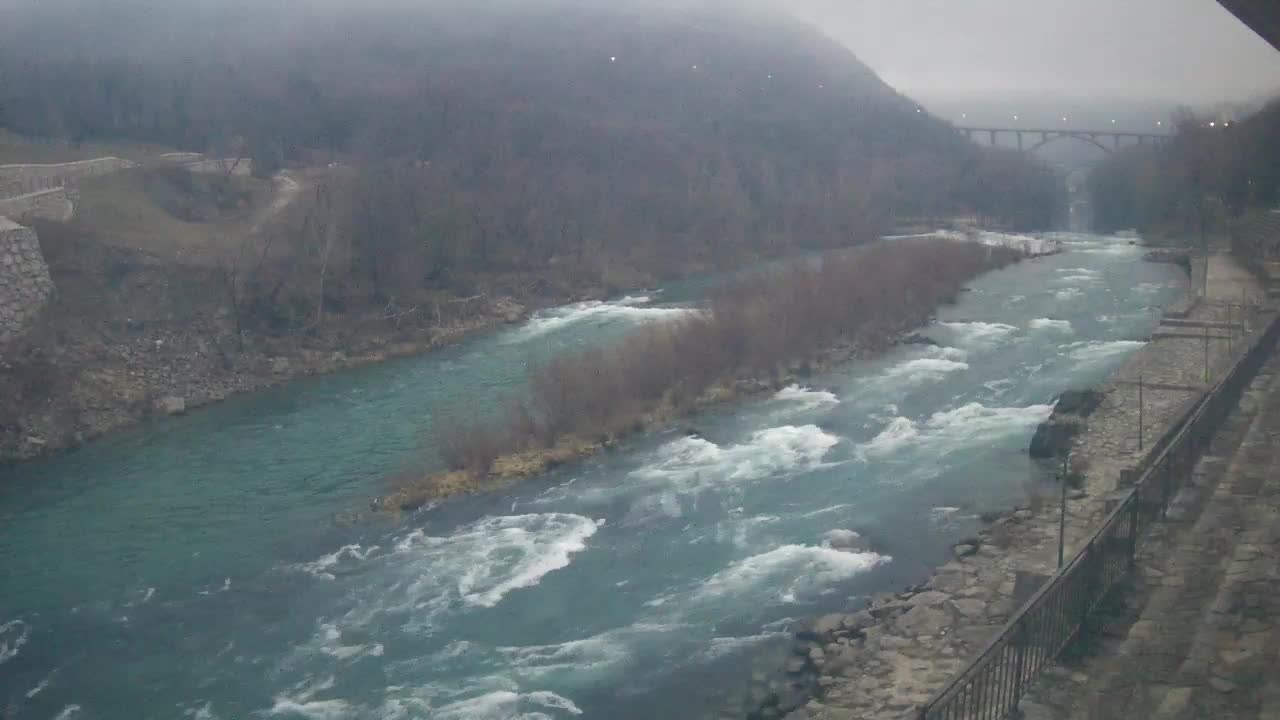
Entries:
{"x":1197,"y":635}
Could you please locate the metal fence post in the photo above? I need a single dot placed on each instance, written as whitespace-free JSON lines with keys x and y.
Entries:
{"x":1140,"y":413}
{"x":1206,"y":353}
{"x":1164,"y":500}
{"x":1134,"y":505}
{"x":1062,"y":511}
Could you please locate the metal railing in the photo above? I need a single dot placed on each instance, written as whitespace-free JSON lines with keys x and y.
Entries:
{"x":990,"y":687}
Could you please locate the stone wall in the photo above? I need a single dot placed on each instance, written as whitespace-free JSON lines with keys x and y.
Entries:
{"x":25,"y":285}
{"x":57,"y":205}
{"x":18,"y":180}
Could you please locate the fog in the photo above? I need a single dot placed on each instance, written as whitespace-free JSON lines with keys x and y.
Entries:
{"x":1186,"y":51}
{"x":941,"y":52}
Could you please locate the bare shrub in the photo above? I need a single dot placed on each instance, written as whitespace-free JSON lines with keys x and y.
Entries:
{"x":755,"y":327}
{"x":473,"y":447}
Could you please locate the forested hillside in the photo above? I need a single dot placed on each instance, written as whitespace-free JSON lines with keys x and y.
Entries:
{"x":1211,"y":172}
{"x":510,"y":134}
{"x":434,"y":167}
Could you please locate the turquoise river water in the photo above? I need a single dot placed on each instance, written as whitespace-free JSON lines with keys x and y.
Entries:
{"x":191,"y":568}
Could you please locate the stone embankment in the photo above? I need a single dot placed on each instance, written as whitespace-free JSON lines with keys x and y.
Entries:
{"x":25,"y":285}
{"x":887,"y":659}
{"x":16,"y":180}
{"x":35,"y":191}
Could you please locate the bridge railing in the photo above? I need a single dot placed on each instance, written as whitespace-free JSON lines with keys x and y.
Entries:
{"x":991,"y":685}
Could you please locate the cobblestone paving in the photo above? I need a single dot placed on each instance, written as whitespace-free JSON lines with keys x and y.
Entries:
{"x":1196,"y":636}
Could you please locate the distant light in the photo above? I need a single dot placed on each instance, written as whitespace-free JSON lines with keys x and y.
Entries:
{"x":770,"y":76}
{"x":1015,"y":117}
{"x":695,"y":67}
{"x":613,"y":59}
{"x":964,"y":115}
{"x":1159,"y":122}
{"x":1226,"y":123}
{"x":919,"y":110}
{"x":1064,"y":118}
{"x":1113,"y":122}
{"x":1212,"y":124}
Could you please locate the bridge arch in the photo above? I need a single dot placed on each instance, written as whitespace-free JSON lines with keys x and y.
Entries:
{"x":1082,"y":137}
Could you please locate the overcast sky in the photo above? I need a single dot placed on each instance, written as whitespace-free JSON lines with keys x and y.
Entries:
{"x":1190,"y":51}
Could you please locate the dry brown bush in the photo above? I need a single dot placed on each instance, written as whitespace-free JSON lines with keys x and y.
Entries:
{"x":753,"y":328}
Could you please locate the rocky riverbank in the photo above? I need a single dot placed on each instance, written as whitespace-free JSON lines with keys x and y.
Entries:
{"x":66,"y":389}
{"x":129,"y":336}
{"x":889,"y":656}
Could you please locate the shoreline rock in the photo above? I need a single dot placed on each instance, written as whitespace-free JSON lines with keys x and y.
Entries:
{"x":1054,"y":437}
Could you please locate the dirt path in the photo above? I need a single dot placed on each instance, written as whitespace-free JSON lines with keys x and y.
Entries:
{"x":287,"y":189}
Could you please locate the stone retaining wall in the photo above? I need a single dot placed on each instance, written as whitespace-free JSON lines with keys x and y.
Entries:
{"x":16,"y":180}
{"x":25,"y":285}
{"x":57,"y":204}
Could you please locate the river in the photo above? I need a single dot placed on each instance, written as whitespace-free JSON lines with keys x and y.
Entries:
{"x":191,"y":567}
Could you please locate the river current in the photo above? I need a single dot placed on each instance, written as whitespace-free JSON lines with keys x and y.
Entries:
{"x":192,"y":568}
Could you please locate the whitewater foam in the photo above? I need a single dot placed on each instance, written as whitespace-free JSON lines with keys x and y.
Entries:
{"x":1070,"y":293}
{"x":67,"y":712}
{"x":1050,"y":324}
{"x":806,"y":398}
{"x":721,"y":647}
{"x":633,"y":309}
{"x":1077,"y":276}
{"x":347,"y":555}
{"x":976,"y":421}
{"x":328,"y":640}
{"x":746,"y":532}
{"x":13,"y":635}
{"x":897,"y":434}
{"x":40,"y":686}
{"x":693,"y":461}
{"x":924,"y":369}
{"x":1029,"y":244}
{"x":314,"y":709}
{"x":978,"y":333}
{"x":506,"y":705}
{"x":494,"y":556}
{"x":606,"y":651}
{"x":1098,"y":350}
{"x":789,"y":571}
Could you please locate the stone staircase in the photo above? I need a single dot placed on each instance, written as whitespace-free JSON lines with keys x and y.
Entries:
{"x":1198,"y":636}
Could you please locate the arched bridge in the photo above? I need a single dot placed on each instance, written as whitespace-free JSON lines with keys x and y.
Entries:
{"x":1031,"y":139}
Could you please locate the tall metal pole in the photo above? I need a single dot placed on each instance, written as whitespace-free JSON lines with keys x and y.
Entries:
{"x":1206,"y":353}
{"x":1230,"y":330}
{"x":1140,"y":413}
{"x":1062,"y":511}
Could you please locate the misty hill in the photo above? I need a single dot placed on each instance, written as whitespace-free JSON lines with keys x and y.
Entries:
{"x":432,"y":170}
{"x":557,"y":127}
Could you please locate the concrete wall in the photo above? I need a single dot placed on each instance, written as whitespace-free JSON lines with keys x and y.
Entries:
{"x":25,"y":285}
{"x":18,"y":180}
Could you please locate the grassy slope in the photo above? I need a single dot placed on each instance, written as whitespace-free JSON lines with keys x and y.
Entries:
{"x":18,"y":149}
